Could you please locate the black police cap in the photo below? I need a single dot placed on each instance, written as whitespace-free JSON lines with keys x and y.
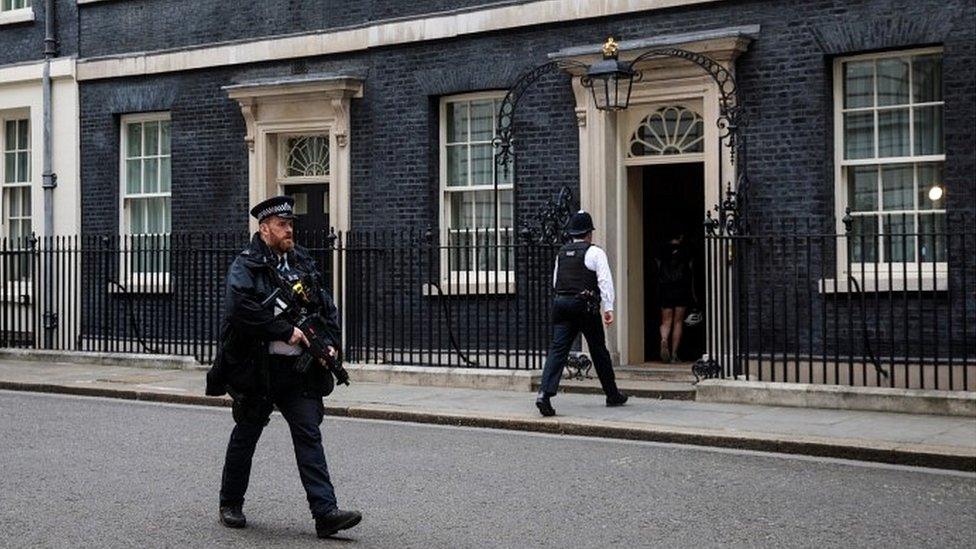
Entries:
{"x":281,"y":206}
{"x":579,"y":224}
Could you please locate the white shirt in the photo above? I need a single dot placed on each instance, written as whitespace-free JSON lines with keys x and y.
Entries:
{"x":596,"y":261}
{"x":282,"y":347}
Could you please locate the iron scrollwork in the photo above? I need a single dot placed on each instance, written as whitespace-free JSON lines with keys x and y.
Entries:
{"x":731,"y":119}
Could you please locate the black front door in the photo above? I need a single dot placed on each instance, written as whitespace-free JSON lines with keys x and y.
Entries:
{"x":311,"y":210}
{"x":312,"y":223}
{"x":674,"y":202}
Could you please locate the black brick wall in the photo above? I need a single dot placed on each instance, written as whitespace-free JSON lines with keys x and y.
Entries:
{"x":784,"y":82}
{"x":139,"y":25}
{"x":22,"y":42}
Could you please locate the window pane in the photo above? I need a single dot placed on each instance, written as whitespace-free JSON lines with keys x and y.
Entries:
{"x":862,"y":243}
{"x":133,"y":176}
{"x":506,"y":211}
{"x":23,"y":134}
{"x":505,"y":177}
{"x":137,"y":216}
{"x":150,"y":176}
{"x":23,"y":167}
{"x":862,"y":188}
{"x":481,"y":161}
{"x":13,"y":203}
{"x":167,"y":215}
{"x":928,"y":130}
{"x":900,"y":238}
{"x":457,"y":166}
{"x":25,"y":201}
{"x":893,"y":133}
{"x":897,"y":187}
{"x":457,"y":122}
{"x":151,"y":139}
{"x":484,"y":209}
{"x":155,"y":216}
{"x":892,"y":82}
{"x":858,"y":84}
{"x":481,"y":128}
{"x":927,"y":78}
{"x":165,"y":175}
{"x":10,"y":167}
{"x":10,"y":135}
{"x":461,"y":210}
{"x":932,"y":237}
{"x":164,"y":146}
{"x":859,"y":135}
{"x":931,"y":189}
{"x":134,"y":141}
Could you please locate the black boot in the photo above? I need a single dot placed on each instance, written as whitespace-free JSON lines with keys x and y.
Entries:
{"x":544,"y":406}
{"x":232,"y":516}
{"x":617,"y":400}
{"x":336,"y":520}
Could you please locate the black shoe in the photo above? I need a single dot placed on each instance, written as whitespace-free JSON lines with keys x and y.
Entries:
{"x":618,"y":399}
{"x":232,"y":516}
{"x":545,"y":407}
{"x":336,"y":520}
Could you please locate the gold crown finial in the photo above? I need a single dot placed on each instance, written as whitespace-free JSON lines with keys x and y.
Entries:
{"x":610,"y":48}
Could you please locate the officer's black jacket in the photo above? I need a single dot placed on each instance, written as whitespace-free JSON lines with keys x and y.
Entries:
{"x":240,"y":366}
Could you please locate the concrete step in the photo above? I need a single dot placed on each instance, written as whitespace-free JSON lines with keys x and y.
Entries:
{"x":656,"y":371}
{"x":669,"y":390}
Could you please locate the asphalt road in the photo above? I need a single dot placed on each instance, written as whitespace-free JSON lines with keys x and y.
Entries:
{"x":101,"y":473}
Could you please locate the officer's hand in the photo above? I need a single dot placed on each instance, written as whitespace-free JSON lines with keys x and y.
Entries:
{"x":608,"y":317}
{"x":298,"y":337}
{"x":332,"y":351}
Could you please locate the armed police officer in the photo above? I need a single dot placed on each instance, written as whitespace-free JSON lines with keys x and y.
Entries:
{"x":257,"y":365}
{"x":583,"y":287}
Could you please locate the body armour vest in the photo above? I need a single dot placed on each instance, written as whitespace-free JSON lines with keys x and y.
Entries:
{"x":572,"y":276}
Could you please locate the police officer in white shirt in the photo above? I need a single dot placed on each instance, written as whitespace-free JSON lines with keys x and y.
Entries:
{"x":583,"y":287}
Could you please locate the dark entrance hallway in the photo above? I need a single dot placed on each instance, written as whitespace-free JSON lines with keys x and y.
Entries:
{"x":674,"y":202}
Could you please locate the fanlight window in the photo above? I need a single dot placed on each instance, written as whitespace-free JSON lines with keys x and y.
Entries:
{"x":668,"y":130}
{"x":307,"y":156}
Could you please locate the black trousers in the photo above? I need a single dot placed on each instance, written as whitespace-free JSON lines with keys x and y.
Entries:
{"x":304,"y":415}
{"x":569,"y":318}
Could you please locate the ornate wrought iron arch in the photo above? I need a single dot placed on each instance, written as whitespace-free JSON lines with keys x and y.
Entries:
{"x":730,"y":121}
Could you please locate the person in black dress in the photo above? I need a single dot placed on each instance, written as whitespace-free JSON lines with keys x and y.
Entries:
{"x":675,"y":293}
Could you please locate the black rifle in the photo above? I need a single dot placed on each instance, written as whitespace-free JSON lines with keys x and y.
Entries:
{"x":294,"y":302}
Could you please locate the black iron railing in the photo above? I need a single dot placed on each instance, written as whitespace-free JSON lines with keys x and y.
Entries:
{"x":890,"y":308}
{"x":405,"y":297}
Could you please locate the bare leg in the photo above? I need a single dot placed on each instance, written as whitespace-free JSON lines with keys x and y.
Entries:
{"x":679,"y":322}
{"x":666,"y":318}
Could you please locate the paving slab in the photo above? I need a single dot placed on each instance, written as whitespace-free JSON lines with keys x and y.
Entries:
{"x":941,"y":441}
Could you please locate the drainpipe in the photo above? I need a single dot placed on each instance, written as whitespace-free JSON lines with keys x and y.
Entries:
{"x":49,"y":178}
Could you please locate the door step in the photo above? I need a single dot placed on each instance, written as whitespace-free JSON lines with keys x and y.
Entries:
{"x":655,"y":371}
{"x":668,"y":390}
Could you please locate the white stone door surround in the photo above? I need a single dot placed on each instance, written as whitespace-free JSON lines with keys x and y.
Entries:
{"x":605,"y":188}
{"x":309,"y":104}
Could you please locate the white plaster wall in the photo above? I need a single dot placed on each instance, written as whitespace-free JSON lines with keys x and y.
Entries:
{"x":20,"y":88}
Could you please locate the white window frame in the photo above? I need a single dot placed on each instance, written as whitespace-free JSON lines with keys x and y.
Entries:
{"x":16,"y":287}
{"x":903,"y":275}
{"x":10,"y":16}
{"x":468,"y":281}
{"x":158,"y":281}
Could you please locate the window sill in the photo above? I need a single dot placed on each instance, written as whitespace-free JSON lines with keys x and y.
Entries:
{"x":452,"y":288}
{"x":23,"y":15}
{"x":926,"y":282}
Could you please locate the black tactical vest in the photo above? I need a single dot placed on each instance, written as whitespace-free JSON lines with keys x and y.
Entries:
{"x":572,"y":276}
